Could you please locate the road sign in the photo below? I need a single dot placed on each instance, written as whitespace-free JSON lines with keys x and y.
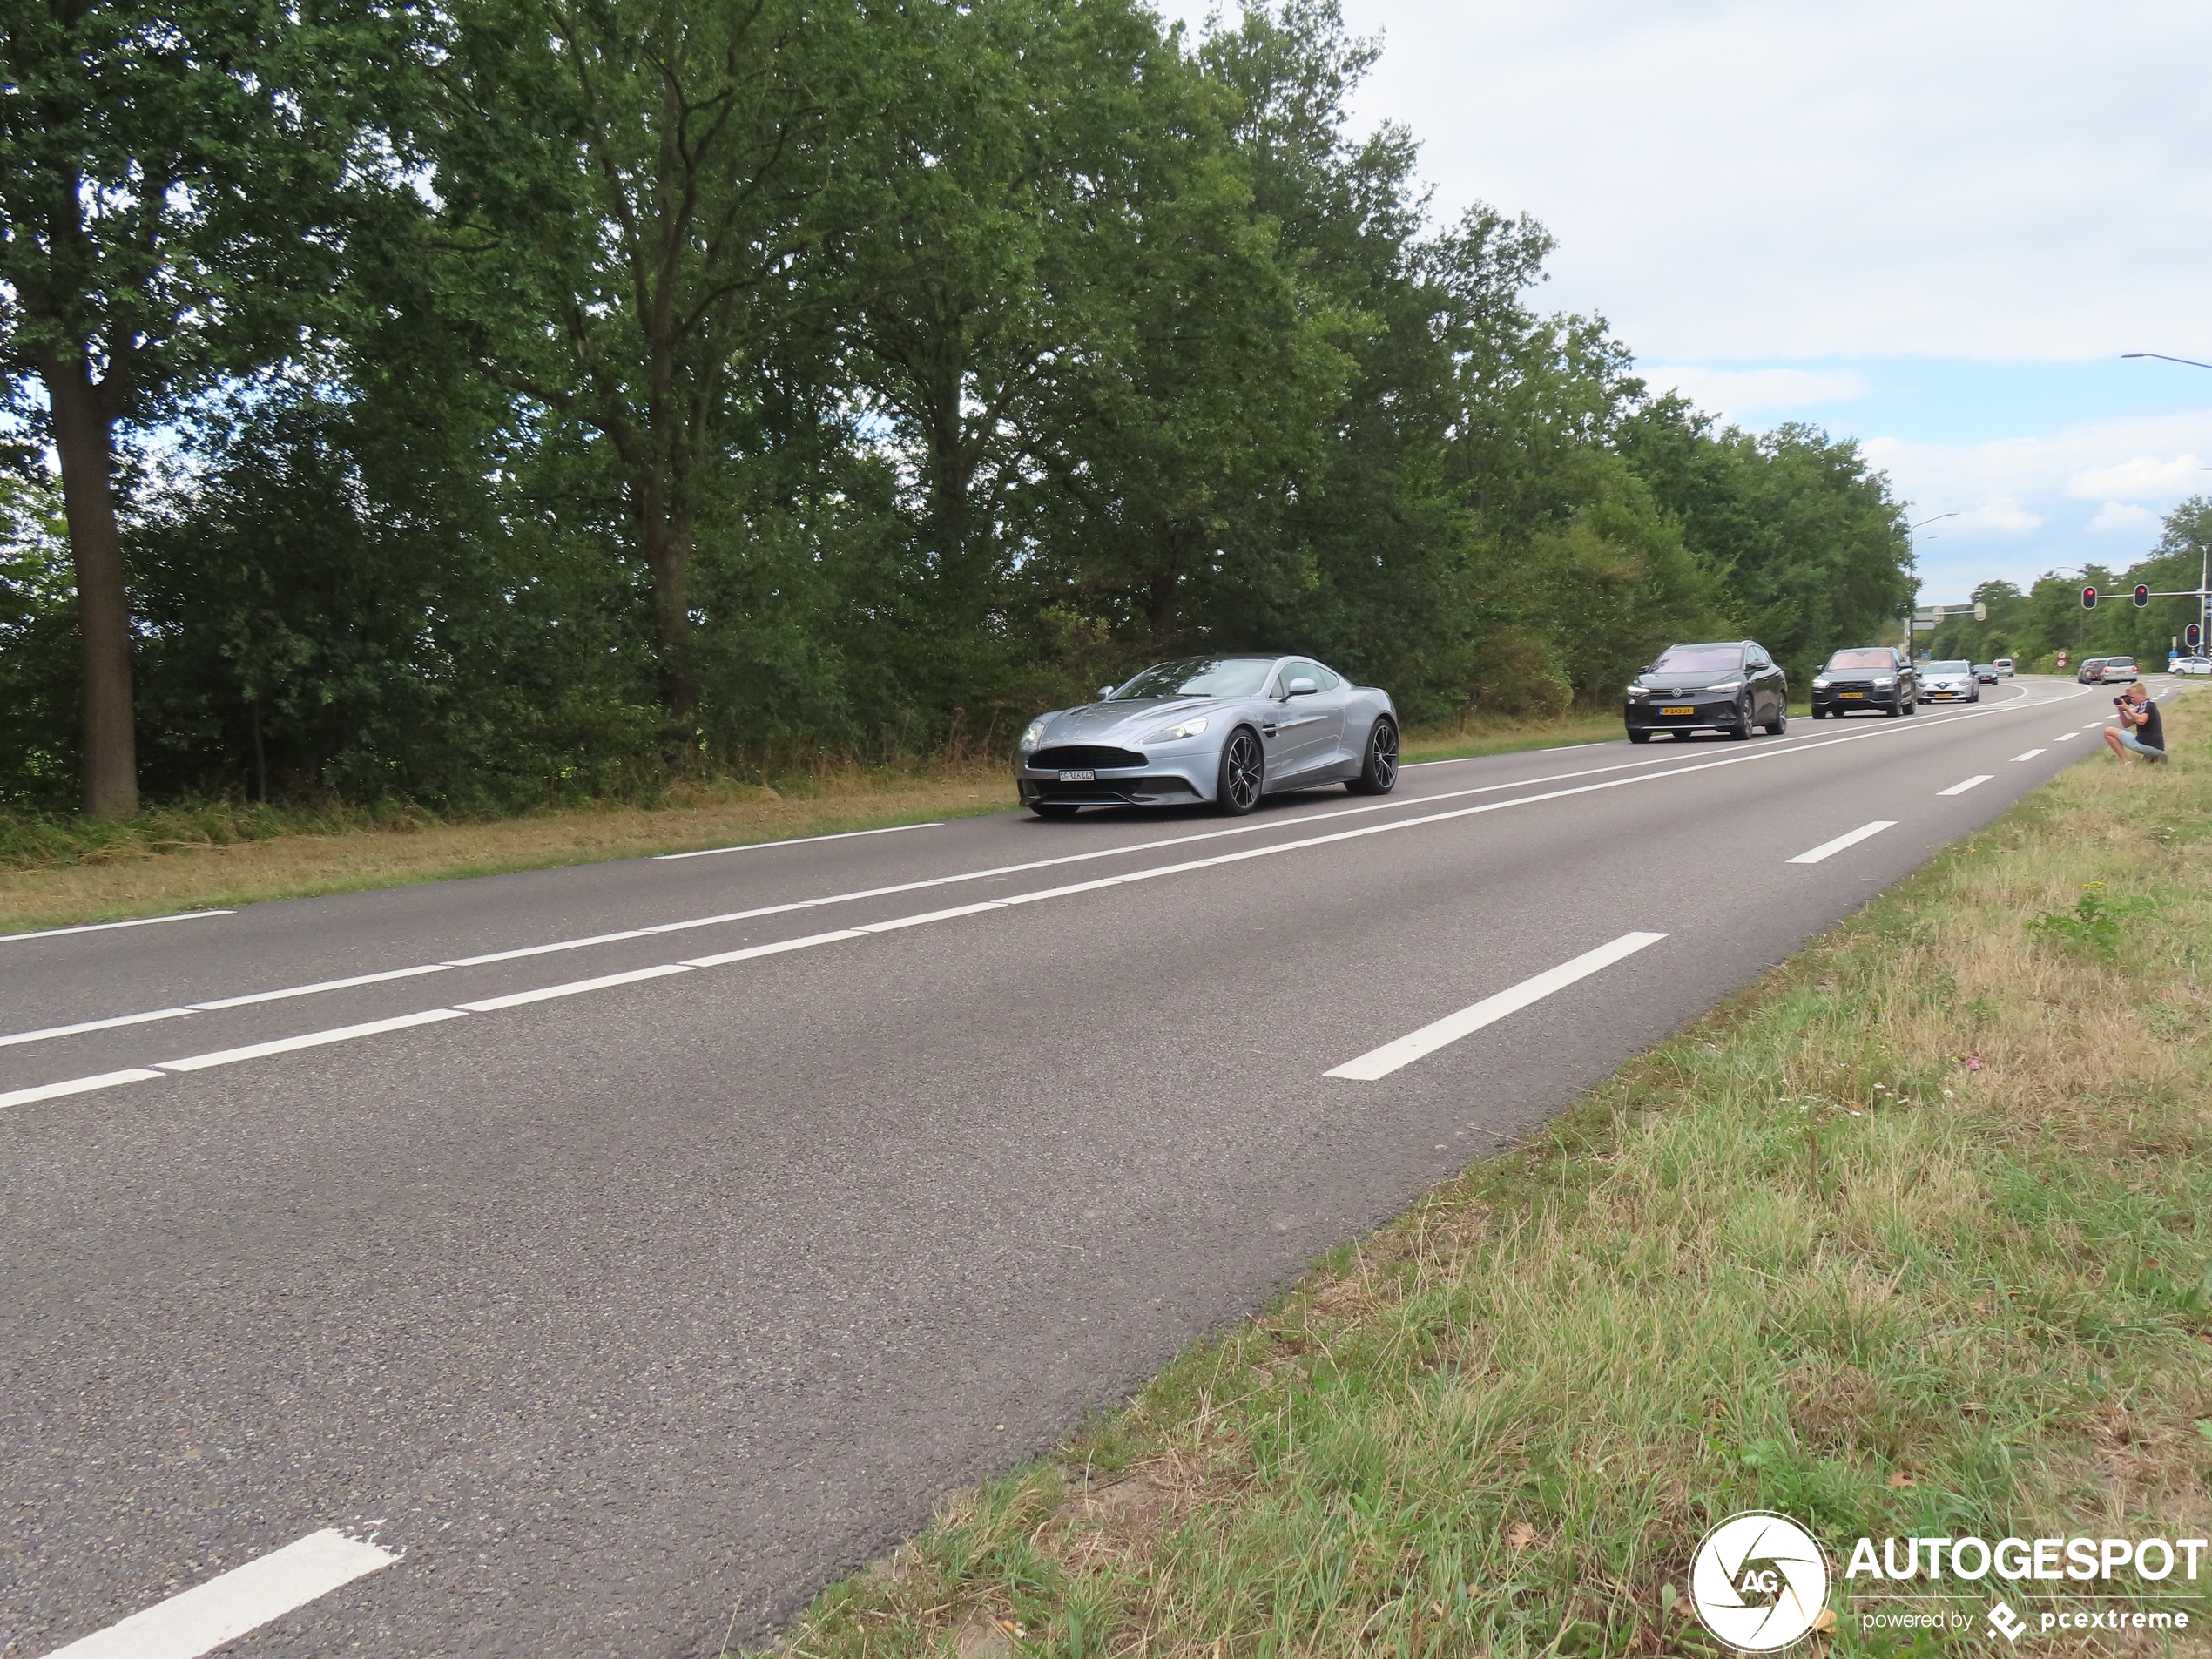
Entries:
{"x":2061,"y":660}
{"x":2142,"y":595}
{"x":2088,"y":598}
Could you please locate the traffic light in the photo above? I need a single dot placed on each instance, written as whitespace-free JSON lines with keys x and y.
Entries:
{"x":2193,"y":635}
{"x":2088,"y":598}
{"x":1981,"y":611}
{"x":2142,"y":595}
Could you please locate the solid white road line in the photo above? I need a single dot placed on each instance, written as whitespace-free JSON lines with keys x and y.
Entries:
{"x":93,"y":1025}
{"x":574,"y":988}
{"x":312,"y":1040}
{"x":1380,"y":1063}
{"x":1829,"y":849}
{"x":1979,"y":779}
{"x":103,"y":926}
{"x":77,"y":1086}
{"x":1670,"y":762}
{"x":776,"y":948}
{"x":327,"y":985}
{"x":199,"y":1620}
{"x":2030,"y":755}
{"x":796,"y":840}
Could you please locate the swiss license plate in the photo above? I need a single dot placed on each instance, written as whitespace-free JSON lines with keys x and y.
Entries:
{"x":1679,"y":708}
{"x":1078,"y":777}
{"x":1850,"y":694}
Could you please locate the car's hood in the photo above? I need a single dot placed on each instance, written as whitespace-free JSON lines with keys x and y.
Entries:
{"x":1122,"y":722}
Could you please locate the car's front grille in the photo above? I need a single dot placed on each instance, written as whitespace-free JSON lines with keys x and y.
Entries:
{"x":1083,"y":756}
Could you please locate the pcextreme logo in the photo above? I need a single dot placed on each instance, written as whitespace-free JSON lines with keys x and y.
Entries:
{"x":1759,"y":1581}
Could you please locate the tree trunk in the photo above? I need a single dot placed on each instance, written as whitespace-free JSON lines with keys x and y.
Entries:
{"x":84,"y":440}
{"x":665,"y":540}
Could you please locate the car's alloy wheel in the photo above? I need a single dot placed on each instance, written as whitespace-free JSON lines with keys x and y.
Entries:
{"x":1243,"y":773}
{"x":1779,"y":725}
{"x":1743,"y":728}
{"x":1379,"y":769}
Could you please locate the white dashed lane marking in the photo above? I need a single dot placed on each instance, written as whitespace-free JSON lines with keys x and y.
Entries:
{"x":1979,"y":777}
{"x":1829,"y":849}
{"x":2030,"y":755}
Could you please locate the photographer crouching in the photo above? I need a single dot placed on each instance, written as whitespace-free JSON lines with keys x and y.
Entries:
{"x":2141,"y":732}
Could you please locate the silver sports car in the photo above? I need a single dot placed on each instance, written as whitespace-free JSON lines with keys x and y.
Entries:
{"x":1222,"y":729}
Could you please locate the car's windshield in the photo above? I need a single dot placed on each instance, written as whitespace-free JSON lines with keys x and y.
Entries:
{"x":1862,"y":659}
{"x":1951,"y":668}
{"x":1699,"y":659}
{"x":1200,"y":677}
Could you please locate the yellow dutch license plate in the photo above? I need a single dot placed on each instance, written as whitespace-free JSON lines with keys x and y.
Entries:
{"x":1680,"y":708}
{"x":1850,"y":694}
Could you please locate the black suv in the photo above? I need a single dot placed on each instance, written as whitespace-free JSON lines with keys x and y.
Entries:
{"x":1867,"y":676}
{"x":1732,"y":688}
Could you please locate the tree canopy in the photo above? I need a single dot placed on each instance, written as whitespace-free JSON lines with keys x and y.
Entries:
{"x":494,"y":400}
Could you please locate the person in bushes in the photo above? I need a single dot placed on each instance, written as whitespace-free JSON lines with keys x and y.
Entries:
{"x":2141,"y":732}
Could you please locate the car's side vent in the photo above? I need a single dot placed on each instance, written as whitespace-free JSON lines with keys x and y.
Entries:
{"x":1078,"y":757}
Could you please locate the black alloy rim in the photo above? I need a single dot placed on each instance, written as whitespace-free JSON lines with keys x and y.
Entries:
{"x":1382,"y":753}
{"x":1241,"y":777}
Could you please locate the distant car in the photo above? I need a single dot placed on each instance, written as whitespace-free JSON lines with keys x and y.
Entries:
{"x":1732,"y":687}
{"x":1225,"y":729}
{"x":1951,"y":681}
{"x":2091,"y":671}
{"x":1865,"y":677}
{"x":2117,"y":669}
{"x":1985,"y":672}
{"x":2004,"y":665}
{"x":2190,"y":665}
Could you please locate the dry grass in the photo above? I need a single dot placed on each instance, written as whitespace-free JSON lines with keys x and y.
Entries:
{"x":54,"y":875}
{"x":135,"y":879}
{"x":1910,"y":1240}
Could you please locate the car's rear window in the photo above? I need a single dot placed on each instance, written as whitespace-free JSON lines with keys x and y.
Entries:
{"x":2119,"y":661}
{"x":1861,"y":659}
{"x":1699,"y":659}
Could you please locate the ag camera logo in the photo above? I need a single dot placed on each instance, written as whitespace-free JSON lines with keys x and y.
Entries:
{"x":1758,"y":1581}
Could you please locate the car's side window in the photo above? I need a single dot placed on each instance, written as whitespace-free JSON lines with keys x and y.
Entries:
{"x":1298,"y":670}
{"x":1327,"y":680}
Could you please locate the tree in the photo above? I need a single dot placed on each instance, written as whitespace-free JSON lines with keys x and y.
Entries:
{"x":629,"y":181}
{"x":173,"y":198}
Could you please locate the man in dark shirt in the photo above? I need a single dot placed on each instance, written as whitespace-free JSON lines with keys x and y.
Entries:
{"x":2140,"y":731}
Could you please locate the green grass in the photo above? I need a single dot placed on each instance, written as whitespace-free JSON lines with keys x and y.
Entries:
{"x":1910,"y":1238}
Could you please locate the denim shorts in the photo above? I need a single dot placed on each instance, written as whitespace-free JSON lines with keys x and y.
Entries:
{"x":2130,"y":741}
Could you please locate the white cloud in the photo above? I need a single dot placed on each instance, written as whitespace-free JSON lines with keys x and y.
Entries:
{"x":1738,"y":391}
{"x":2125,"y":515}
{"x":2014,"y":485}
{"x":1754,"y":179}
{"x":2140,"y":478}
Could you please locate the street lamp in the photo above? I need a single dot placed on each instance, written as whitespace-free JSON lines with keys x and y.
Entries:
{"x":1911,"y":609}
{"x":2163,"y":358}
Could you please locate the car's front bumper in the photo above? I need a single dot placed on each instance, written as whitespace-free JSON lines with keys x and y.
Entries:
{"x":1947,"y":694}
{"x":1160,"y":782}
{"x":1831,"y":699}
{"x":1711,"y":713}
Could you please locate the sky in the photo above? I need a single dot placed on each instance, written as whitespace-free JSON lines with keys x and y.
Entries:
{"x":1933,"y":226}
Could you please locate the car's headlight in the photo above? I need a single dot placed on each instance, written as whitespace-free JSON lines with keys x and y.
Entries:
{"x":1885,"y":679}
{"x":1032,"y":735}
{"x":1820,"y":685}
{"x":1639,"y":691}
{"x":1727,"y":685}
{"x":1175,"y":733}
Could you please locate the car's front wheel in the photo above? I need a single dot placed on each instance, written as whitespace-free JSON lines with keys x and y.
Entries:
{"x":1243,"y":773}
{"x":1379,"y":766}
{"x":1745,"y":725}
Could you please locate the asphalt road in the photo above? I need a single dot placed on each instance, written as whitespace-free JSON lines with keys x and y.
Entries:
{"x":621,"y":1316}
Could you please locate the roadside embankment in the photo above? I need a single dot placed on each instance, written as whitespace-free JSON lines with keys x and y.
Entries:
{"x":55,"y":872}
{"x":1910,"y":1239}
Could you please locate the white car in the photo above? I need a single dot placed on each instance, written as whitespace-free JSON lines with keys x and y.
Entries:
{"x":2004,"y":665}
{"x":2190,"y":665}
{"x":1949,"y":682}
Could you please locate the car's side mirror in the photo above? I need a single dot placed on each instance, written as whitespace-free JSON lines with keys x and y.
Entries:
{"x":1300,"y":687}
{"x":1105,"y":691}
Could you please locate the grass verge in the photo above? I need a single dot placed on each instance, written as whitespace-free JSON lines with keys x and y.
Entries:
{"x":1908,"y":1239}
{"x":56,"y":872}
